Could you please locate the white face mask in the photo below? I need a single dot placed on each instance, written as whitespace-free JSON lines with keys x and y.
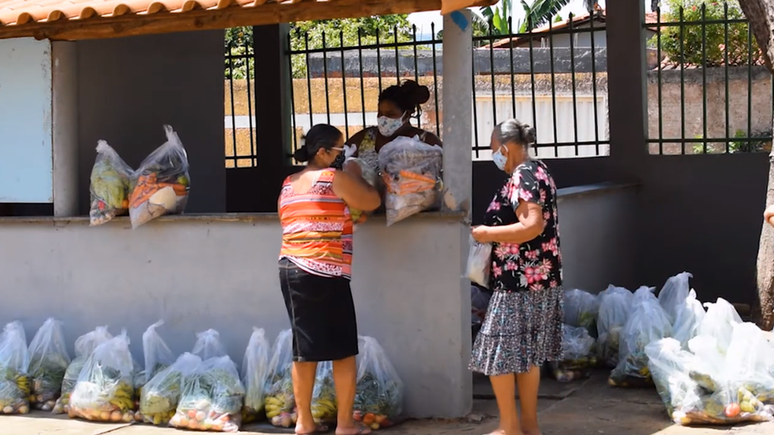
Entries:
{"x":500,"y":159}
{"x":389,"y":126}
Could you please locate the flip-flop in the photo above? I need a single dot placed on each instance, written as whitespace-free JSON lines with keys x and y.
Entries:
{"x":361,"y":430}
{"x":321,"y":428}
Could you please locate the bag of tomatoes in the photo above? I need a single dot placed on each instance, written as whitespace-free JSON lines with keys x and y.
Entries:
{"x":379,"y":391}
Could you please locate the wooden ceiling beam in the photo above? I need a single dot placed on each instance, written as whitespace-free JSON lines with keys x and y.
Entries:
{"x":198,"y":19}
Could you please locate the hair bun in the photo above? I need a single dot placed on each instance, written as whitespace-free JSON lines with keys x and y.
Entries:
{"x":419,"y":94}
{"x":301,"y":154}
{"x":528,"y":133}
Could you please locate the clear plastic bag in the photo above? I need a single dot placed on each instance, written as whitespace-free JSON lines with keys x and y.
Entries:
{"x":104,"y":391}
{"x":614,"y":306}
{"x":479,"y":262}
{"x":84,"y":346}
{"x":48,"y":364}
{"x":647,"y":323}
{"x":255,"y":369}
{"x":161,"y":395}
{"x":669,"y":366}
{"x":15,"y":383}
{"x":719,"y":322}
{"x":157,"y":358}
{"x":208,"y":345}
{"x":161,"y":184}
{"x":379,"y":393}
{"x":578,"y":350}
{"x":411,"y":170}
{"x":324,"y":406}
{"x":212,"y":398}
{"x":674,"y":293}
{"x":109,"y":185}
{"x":479,"y":304}
{"x":581,"y":309}
{"x":371,"y":177}
{"x":280,"y":401}
{"x":688,"y":318}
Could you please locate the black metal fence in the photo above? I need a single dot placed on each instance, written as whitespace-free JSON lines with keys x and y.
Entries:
{"x":709,"y":92}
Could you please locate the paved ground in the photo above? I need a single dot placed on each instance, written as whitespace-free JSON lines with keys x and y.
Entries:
{"x":581,"y":408}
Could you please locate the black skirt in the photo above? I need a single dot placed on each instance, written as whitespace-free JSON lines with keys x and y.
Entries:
{"x":321,"y":312}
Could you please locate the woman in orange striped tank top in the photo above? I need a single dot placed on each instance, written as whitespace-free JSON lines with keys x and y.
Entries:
{"x":315,"y":268}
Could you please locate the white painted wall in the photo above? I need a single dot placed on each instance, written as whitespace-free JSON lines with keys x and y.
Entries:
{"x":25,"y":121}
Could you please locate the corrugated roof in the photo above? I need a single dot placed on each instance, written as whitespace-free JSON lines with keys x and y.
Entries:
{"x":83,"y":19}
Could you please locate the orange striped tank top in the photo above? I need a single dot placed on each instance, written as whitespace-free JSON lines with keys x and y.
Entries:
{"x":316,"y":228}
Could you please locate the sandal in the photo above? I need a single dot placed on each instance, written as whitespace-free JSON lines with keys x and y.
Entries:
{"x":321,"y":428}
{"x":361,"y":430}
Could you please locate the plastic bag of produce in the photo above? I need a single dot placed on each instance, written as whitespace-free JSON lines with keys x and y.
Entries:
{"x":614,"y":305}
{"x":84,"y":346}
{"x":579,"y":359}
{"x":157,"y":358}
{"x":673,"y":294}
{"x":109,"y":186}
{"x":255,"y":369}
{"x":669,"y":366}
{"x":48,"y":364}
{"x":104,"y":391}
{"x":161,"y":395}
{"x":15,"y":384}
{"x":479,"y":262}
{"x":688,"y":319}
{"x":479,"y":304}
{"x":371,"y":177}
{"x":208,"y":345}
{"x":411,"y":171}
{"x":212,"y":398}
{"x":324,"y":394}
{"x":280,"y":402}
{"x":379,"y":393}
{"x":161,"y":184}
{"x":719,"y":321}
{"x":648,"y":322}
{"x":581,"y":309}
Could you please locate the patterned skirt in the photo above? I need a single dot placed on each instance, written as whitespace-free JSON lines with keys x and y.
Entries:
{"x":521,"y":330}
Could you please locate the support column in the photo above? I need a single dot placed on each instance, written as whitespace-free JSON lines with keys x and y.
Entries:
{"x":457,"y":110}
{"x":65,"y":127}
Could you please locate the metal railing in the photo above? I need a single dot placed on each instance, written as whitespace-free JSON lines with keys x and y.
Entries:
{"x":240,"y":135}
{"x":709,"y":92}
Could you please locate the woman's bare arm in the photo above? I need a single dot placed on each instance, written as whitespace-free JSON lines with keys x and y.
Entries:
{"x":531,"y":224}
{"x":355,"y":191}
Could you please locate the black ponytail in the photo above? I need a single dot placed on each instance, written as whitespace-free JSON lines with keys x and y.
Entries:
{"x":321,"y":136}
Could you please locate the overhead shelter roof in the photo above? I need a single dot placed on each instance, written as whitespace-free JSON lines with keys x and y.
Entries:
{"x":94,"y":19}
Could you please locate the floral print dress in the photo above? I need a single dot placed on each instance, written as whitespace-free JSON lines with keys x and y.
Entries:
{"x":523,"y":324}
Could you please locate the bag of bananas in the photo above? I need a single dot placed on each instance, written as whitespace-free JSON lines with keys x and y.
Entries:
{"x":104,"y":391}
{"x":280,"y":402}
{"x":84,"y":346}
{"x":255,"y":367}
{"x":48,"y":364}
{"x":161,"y":395}
{"x":15,"y":386}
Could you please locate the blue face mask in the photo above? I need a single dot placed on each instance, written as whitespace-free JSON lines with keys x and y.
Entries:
{"x":499,"y":159}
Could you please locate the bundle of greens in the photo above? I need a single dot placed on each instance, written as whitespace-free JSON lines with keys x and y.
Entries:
{"x":110,"y":185}
{"x":48,"y":364}
{"x":212,"y":398}
{"x":161,"y":395}
{"x":255,"y":368}
{"x":84,"y":346}
{"x":379,"y":391}
{"x":15,"y":386}
{"x":105,"y":391}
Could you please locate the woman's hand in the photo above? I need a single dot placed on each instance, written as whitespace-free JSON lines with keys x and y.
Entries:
{"x":481,"y":234}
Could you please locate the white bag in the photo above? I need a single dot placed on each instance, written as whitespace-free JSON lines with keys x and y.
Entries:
{"x":673,"y":294}
{"x":479,"y":262}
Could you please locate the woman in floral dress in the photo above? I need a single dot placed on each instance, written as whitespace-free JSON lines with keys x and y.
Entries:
{"x":523,"y":324}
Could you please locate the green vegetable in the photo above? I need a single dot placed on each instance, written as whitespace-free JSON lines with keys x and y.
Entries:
{"x":384,"y":399}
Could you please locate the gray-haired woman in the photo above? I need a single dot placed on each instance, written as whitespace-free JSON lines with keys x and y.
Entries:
{"x":523,"y":324}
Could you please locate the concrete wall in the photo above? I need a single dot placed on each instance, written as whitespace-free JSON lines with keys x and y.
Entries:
{"x":199,"y":274}
{"x":130,"y":87}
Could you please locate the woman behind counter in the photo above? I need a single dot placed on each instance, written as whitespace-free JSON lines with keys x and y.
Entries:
{"x":315,"y":269}
{"x":522,"y":328}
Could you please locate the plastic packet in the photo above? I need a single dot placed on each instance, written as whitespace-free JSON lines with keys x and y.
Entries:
{"x":84,"y":346}
{"x":479,"y":262}
{"x":109,"y":185}
{"x":371,"y":177}
{"x":161,"y":395}
{"x":688,"y":318}
{"x":411,"y":171}
{"x":104,"y":391}
{"x":255,"y":368}
{"x":161,"y":184}
{"x":578,"y":350}
{"x":379,"y":391}
{"x":157,"y":358}
{"x":208,"y":345}
{"x":718,"y":322}
{"x":614,"y":306}
{"x":580,"y":309}
{"x":674,"y":293}
{"x":212,"y":398}
{"x":648,"y":322}
{"x":280,"y":401}
{"x":15,"y":383}
{"x":48,"y":364}
{"x":479,"y":304}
